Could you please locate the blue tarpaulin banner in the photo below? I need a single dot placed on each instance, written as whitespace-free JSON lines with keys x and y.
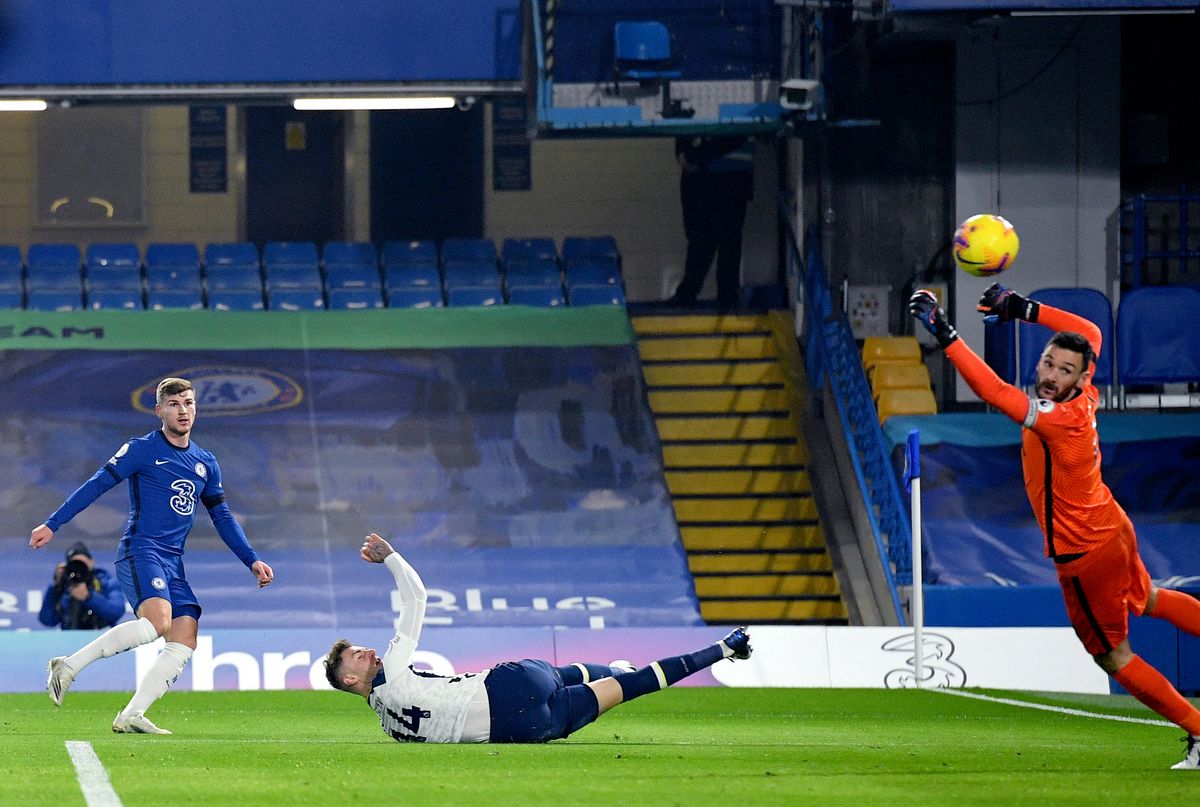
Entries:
{"x":524,"y":483}
{"x":979,"y":528}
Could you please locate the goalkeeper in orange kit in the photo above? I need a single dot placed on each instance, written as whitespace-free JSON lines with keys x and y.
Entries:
{"x":1088,"y":535}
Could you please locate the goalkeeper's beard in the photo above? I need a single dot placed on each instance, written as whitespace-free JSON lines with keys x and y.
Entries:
{"x":1050,"y":392}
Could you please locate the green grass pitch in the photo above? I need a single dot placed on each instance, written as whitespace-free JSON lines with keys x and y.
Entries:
{"x":679,"y":747}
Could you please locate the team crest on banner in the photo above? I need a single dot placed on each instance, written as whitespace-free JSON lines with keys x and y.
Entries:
{"x":229,"y":391}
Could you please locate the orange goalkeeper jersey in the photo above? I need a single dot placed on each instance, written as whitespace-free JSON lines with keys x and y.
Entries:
{"x":1060,"y":448}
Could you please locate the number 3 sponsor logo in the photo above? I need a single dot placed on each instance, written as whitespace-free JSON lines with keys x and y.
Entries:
{"x":184,"y":502}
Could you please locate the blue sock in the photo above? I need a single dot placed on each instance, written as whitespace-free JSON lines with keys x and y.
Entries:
{"x":580,"y":673}
{"x":664,"y":672}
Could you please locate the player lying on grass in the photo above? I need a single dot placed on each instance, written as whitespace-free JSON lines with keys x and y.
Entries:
{"x":1088,"y":535}
{"x":526,"y":701}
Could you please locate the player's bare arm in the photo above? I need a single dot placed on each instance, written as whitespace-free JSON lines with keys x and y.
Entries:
{"x":375,"y":549}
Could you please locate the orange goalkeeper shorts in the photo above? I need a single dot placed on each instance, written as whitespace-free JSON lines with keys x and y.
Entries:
{"x":1103,"y":587}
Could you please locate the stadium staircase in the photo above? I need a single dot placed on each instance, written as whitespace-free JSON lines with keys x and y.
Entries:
{"x":727,"y":397}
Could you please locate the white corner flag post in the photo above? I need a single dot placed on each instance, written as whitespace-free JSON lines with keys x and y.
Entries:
{"x":912,"y":480}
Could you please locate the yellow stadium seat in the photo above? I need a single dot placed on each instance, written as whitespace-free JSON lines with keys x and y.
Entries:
{"x":896,"y":375}
{"x":880,"y":349}
{"x":906,"y":401}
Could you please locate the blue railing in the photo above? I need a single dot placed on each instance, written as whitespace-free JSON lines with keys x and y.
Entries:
{"x":831,"y":352}
{"x":1138,"y":230}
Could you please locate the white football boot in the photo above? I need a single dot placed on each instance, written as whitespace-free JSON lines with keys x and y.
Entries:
{"x":1191,"y":757}
{"x":60,"y":679}
{"x":135,"y":724}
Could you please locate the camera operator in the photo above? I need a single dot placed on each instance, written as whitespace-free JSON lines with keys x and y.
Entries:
{"x":81,"y":597}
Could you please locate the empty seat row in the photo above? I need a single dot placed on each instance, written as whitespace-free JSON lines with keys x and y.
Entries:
{"x":295,"y":265}
{"x":304,"y":253}
{"x":305,"y":299}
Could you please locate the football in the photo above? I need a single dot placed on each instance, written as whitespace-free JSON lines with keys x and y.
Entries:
{"x":985,"y":245}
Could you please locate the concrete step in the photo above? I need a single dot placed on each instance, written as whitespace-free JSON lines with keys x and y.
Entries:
{"x":737,"y":482}
{"x":716,"y":346}
{"x":733,"y":454}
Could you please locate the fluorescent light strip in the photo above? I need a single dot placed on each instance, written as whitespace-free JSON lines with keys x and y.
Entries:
{"x":1097,"y":12}
{"x":22,"y":105}
{"x":398,"y":102}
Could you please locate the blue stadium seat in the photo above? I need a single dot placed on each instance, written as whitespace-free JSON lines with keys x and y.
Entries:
{"x":1158,"y":336}
{"x":352,"y":276}
{"x":122,"y":254}
{"x":468,"y":249}
{"x":121,"y":299}
{"x":235,"y":300}
{"x":597,"y":295}
{"x":160,"y":299}
{"x":185,"y":255}
{"x":347,"y":298}
{"x":349,"y":252}
{"x":528,"y":249}
{"x":295,"y":300}
{"x":172,"y":266}
{"x":10,"y":298}
{"x":413,"y":275}
{"x":167,"y":276}
{"x":238,"y":253}
{"x":11,"y":274}
{"x":540,"y":296}
{"x":1000,"y":349}
{"x":642,"y":49}
{"x":292,"y":276}
{"x":460,"y":296}
{"x":591,"y":272}
{"x":415,"y":297}
{"x":471,"y":273}
{"x":303,"y":253}
{"x":54,"y":267}
{"x":397,"y":252}
{"x":221,"y":277}
{"x":577,"y":247}
{"x":1090,"y":304}
{"x":54,"y":300}
{"x":113,"y":266}
{"x":54,"y":278}
{"x":532,"y":273}
{"x":114,"y":277}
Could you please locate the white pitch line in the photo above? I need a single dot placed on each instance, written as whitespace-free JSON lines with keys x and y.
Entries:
{"x":1060,"y":709}
{"x":93,"y":779}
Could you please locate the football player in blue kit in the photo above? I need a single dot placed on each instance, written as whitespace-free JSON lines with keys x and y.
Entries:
{"x":528,"y":701}
{"x":168,"y":475}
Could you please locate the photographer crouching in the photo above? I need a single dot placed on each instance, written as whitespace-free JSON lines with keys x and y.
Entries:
{"x":81,"y":597}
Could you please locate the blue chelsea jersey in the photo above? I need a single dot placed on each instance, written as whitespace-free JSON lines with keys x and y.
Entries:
{"x":167,"y":484}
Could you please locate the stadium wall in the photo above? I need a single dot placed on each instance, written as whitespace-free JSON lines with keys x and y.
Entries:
{"x":627,"y":188}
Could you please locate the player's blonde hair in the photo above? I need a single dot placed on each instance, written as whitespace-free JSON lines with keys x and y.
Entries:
{"x":333,"y":664}
{"x":172,"y":386}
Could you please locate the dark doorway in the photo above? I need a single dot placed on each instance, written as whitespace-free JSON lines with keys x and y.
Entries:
{"x":427,"y":174}
{"x":294,"y":174}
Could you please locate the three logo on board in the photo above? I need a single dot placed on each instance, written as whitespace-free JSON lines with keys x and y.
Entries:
{"x":228,"y":390}
{"x":937,"y":669}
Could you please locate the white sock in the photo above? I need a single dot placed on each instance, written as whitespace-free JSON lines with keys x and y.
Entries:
{"x":117,"y":639}
{"x":158,"y":679}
